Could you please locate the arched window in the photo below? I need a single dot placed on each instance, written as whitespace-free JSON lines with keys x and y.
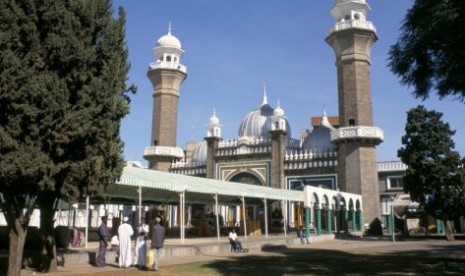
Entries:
{"x":168,"y":58}
{"x":246,"y":178}
{"x":356,"y":16}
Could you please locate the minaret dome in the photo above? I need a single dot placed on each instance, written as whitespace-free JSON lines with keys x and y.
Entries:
{"x":168,"y":51}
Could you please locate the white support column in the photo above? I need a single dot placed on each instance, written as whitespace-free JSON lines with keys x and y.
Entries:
{"x":181,"y":205}
{"x":285,"y":217}
{"x":291,"y":214}
{"x":169,"y":216}
{"x":189,"y":215}
{"x":175,"y":215}
{"x":244,"y":218}
{"x":217,"y":217}
{"x":266,"y":216}
{"x":140,"y":204}
{"x":87,"y":221}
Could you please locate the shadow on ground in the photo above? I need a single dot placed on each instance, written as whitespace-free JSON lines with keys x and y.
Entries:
{"x":295,"y":261}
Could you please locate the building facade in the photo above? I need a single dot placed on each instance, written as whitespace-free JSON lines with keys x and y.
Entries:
{"x":338,"y":157}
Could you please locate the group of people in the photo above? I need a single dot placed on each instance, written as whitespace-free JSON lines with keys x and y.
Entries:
{"x":123,"y":244}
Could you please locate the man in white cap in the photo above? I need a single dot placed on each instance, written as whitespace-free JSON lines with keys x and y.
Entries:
{"x":125,"y":253}
{"x":158,"y":239}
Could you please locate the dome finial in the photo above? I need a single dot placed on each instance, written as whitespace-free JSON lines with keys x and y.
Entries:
{"x":169,"y":28}
{"x":265,"y":99}
{"x":279,"y":104}
{"x":324,"y":111}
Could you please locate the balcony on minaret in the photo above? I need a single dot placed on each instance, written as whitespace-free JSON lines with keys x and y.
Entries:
{"x":353,"y":24}
{"x":168,"y":65}
{"x":152,"y":151}
{"x":350,"y":14}
{"x":374,"y":135}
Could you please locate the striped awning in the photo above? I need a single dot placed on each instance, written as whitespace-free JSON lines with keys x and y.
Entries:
{"x":159,"y":186}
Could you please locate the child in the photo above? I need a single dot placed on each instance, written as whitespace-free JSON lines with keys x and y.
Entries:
{"x":114,"y":242}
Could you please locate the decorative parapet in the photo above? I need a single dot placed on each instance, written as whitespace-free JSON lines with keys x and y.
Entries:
{"x":356,"y":24}
{"x":168,"y":65}
{"x":310,"y":164}
{"x":391,"y":166}
{"x":375,"y":134}
{"x":309,"y":155}
{"x":188,"y":168}
{"x":243,"y":150}
{"x":182,"y":164}
{"x":190,"y":171}
{"x":163,"y":151}
{"x":309,"y":159}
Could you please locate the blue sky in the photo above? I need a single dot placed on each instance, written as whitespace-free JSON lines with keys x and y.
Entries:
{"x":233,"y":47}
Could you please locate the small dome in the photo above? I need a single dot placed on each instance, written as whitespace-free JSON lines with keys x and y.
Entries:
{"x":213,"y":119}
{"x":319,"y":140}
{"x":200,"y":152}
{"x":169,"y":40}
{"x":278,"y":111}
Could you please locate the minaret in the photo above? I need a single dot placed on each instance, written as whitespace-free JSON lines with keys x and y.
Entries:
{"x":213,"y":138}
{"x":352,"y":38}
{"x":278,"y":147}
{"x":166,"y":75}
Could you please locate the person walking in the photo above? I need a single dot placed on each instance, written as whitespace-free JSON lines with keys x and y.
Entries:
{"x":125,"y":253}
{"x":103,"y":242}
{"x":158,"y":239}
{"x":141,"y":244}
{"x":303,"y":236}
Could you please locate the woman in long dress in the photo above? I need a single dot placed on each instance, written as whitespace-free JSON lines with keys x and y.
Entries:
{"x":141,"y":244}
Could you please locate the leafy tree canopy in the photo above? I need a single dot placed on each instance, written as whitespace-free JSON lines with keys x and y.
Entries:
{"x":429,"y":53}
{"x":435,"y":176}
{"x":63,"y":94}
{"x":63,"y":70}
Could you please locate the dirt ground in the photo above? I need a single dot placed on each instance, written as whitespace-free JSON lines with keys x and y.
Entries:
{"x":337,"y":257}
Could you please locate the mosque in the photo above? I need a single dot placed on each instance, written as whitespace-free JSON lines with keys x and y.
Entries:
{"x":338,"y":153}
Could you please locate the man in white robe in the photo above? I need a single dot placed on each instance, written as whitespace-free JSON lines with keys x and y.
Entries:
{"x":141,"y":244}
{"x":125,"y":253}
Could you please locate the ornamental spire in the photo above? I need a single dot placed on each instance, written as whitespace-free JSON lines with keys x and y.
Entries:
{"x":265,"y":99}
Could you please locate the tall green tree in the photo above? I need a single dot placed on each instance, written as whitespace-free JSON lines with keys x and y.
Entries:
{"x":435,"y":176}
{"x":429,"y":53}
{"x":63,"y":94}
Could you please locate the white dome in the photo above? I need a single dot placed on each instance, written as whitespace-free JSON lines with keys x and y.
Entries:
{"x":257,"y":123}
{"x":278,"y":111}
{"x":319,"y":140}
{"x":213,"y":120}
{"x":200,"y":153}
{"x":169,"y":40}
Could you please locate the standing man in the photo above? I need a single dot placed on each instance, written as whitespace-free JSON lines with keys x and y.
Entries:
{"x":141,"y":244}
{"x":125,"y":253}
{"x":158,"y":239}
{"x":103,"y":242}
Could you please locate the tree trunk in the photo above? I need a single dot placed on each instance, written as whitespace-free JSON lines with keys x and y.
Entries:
{"x":17,"y":235}
{"x":48,"y":252}
{"x":450,"y":230}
